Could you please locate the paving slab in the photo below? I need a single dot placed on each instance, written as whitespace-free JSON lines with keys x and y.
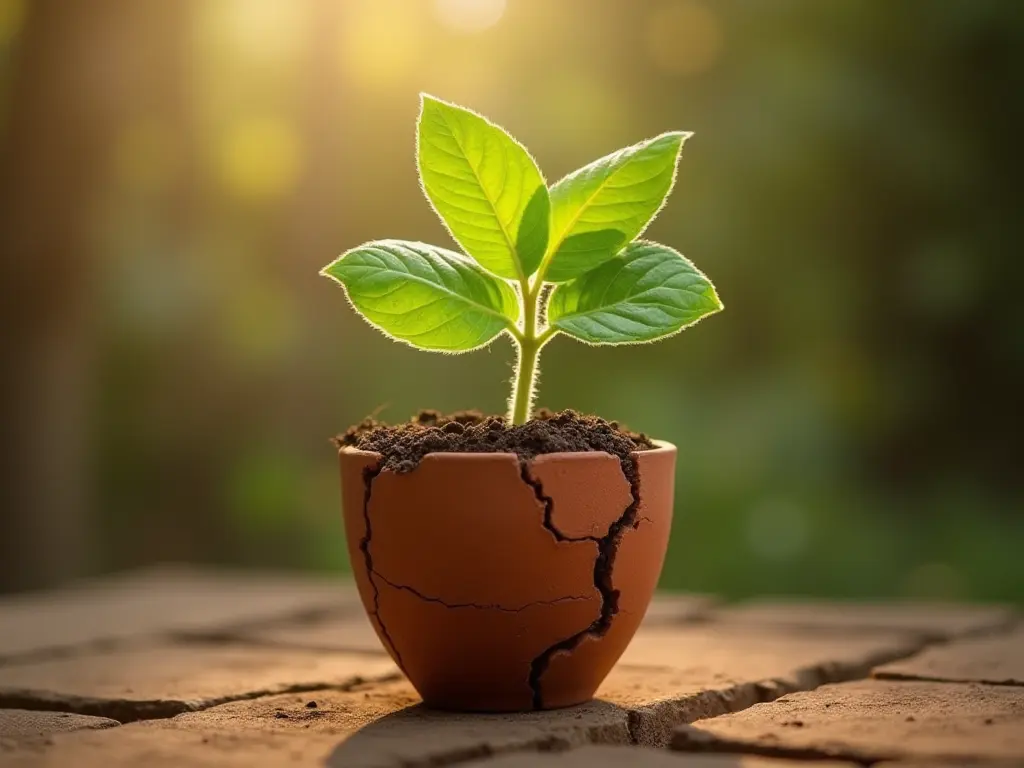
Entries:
{"x":246,"y":700}
{"x":706,"y":650}
{"x":354,"y":632}
{"x":657,"y":700}
{"x":678,"y":675}
{"x":668,"y":676}
{"x":765,"y":653}
{"x":933,"y":620}
{"x":994,"y":659}
{"x":164,"y":600}
{"x":379,"y":726}
{"x":385,"y":725}
{"x":873,"y":720}
{"x":149,"y":745}
{"x":18,"y":726}
{"x":641,"y":757}
{"x":672,"y":676}
{"x":161,"y":681}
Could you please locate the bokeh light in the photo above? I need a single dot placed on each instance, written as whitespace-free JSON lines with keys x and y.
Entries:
{"x":381,"y":44}
{"x":469,"y":15}
{"x":259,"y":158}
{"x":269,"y":33}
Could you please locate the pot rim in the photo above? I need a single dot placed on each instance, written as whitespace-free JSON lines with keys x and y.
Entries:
{"x":663,"y":446}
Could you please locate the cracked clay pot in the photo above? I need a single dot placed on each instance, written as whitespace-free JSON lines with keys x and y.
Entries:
{"x":499,"y":584}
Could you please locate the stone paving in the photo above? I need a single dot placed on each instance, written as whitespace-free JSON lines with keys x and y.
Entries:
{"x":179,"y":667}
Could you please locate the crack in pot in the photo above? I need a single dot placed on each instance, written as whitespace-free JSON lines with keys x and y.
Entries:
{"x":369,"y":475}
{"x":607,"y":549}
{"x":549,"y":506}
{"x":479,"y":606}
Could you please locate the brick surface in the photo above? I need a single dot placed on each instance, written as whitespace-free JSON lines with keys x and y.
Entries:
{"x":384,"y":725}
{"x":710,"y":655}
{"x":996,"y":659}
{"x":723,"y":654}
{"x":221,"y":670}
{"x":873,"y":720}
{"x":18,"y":725}
{"x":379,"y":726}
{"x":672,"y":676}
{"x":150,"y":745}
{"x":353,"y":631}
{"x":641,"y":757}
{"x":657,"y":700}
{"x":336,"y":633}
{"x":164,"y":600}
{"x":419,"y":737}
{"x":161,"y":681}
{"x":934,"y":621}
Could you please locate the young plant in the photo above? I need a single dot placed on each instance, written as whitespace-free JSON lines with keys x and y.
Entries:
{"x":519,"y":235}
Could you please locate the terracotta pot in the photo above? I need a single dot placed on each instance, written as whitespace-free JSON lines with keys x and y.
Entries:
{"x":499,"y":585}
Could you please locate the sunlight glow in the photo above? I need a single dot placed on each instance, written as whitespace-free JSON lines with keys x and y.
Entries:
{"x":469,"y":15}
{"x":270,"y":31}
{"x":381,"y":44}
{"x":683,"y":37}
{"x":259,"y":159}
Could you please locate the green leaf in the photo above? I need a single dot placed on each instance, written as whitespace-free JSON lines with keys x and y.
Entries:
{"x":485,"y":187}
{"x":426,"y":296}
{"x":647,"y":292}
{"x":602,"y":206}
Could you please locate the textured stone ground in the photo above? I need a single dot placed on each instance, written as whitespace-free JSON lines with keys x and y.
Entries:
{"x":175,"y":667}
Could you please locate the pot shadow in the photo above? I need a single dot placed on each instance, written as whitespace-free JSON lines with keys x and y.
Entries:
{"x":429,"y":736}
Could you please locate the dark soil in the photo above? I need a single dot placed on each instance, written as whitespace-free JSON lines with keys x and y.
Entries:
{"x":403,"y":445}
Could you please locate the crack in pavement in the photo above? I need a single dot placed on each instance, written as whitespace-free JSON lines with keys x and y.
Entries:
{"x":480,"y":606}
{"x":131,"y":711}
{"x":607,"y":549}
{"x":689,"y":740}
{"x":685,"y":738}
{"x":653,"y":724}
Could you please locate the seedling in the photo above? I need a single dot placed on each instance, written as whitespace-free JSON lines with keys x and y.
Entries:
{"x":519,"y":235}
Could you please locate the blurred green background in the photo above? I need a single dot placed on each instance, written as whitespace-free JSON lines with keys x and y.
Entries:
{"x":174,"y":174}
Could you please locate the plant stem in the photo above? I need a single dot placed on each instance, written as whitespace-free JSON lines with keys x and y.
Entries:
{"x":526,"y":378}
{"x":528,"y":346}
